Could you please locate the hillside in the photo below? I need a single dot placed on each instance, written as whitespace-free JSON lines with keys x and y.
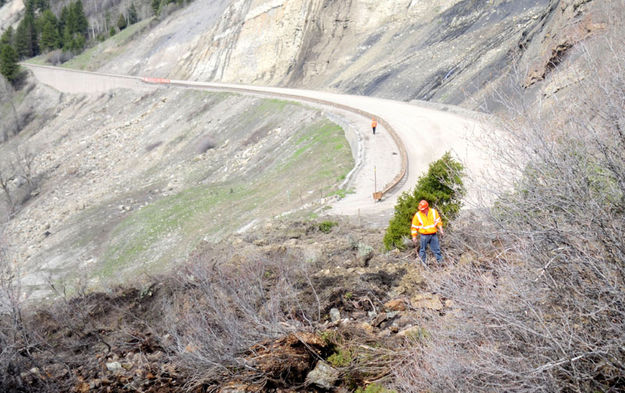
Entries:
{"x":167,"y":239}
{"x":361,"y":47}
{"x":370,"y":48}
{"x":154,"y":178}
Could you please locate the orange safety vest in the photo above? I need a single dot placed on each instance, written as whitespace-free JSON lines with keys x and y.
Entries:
{"x":374,"y":123}
{"x":425,"y":224}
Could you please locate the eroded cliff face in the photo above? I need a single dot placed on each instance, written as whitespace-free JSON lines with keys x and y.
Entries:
{"x":448,"y":51}
{"x":10,"y":14}
{"x":568,"y":23}
{"x":404,"y":49}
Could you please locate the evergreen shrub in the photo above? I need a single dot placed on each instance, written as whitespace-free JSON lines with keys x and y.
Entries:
{"x":326,"y":226}
{"x":441,"y":186}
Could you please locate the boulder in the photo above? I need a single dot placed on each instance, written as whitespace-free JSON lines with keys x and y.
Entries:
{"x":323,"y":376}
{"x":383,"y":317}
{"x":396,"y":305}
{"x":335,"y":315}
{"x":414,"y":332}
{"x":427,"y":300}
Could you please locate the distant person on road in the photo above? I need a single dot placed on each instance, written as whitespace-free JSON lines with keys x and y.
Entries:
{"x":374,"y":124}
{"x":427,"y":223}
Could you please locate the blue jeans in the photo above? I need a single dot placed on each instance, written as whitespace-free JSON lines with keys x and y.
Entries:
{"x":432,"y":240}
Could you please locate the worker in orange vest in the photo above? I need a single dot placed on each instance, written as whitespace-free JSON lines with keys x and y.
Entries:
{"x":427,"y":222}
{"x":374,"y":124}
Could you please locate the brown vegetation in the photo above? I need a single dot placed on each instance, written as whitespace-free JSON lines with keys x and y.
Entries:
{"x":256,"y":312}
{"x":540,"y":292}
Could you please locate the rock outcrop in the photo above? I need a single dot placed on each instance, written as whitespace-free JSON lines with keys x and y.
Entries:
{"x":566,"y":23}
{"x":404,"y":49}
{"x":10,"y":13}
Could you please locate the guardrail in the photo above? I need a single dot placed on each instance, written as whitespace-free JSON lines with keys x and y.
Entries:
{"x":161,"y":81}
{"x":400,"y":145}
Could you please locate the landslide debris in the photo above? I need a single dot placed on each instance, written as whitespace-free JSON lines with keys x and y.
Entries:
{"x":324,"y":319}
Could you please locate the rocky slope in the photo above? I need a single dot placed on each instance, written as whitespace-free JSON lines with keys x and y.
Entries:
{"x":128,"y":182}
{"x":345,"y":312}
{"x":454,"y":51}
{"x":391,"y":49}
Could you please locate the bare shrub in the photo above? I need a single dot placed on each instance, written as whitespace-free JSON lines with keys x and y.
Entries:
{"x":18,"y":341}
{"x":18,"y":179}
{"x":540,"y":294}
{"x":235,"y":299}
{"x":59,"y":56}
{"x":24,"y":162}
{"x":11,"y":125}
{"x":10,"y":320}
{"x":6,"y":190}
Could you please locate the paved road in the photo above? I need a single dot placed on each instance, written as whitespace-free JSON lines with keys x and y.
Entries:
{"x":424,"y":133}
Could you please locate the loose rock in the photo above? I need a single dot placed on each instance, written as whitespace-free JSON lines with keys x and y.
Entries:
{"x":323,"y":375}
{"x":335,"y":315}
{"x":114,"y":366}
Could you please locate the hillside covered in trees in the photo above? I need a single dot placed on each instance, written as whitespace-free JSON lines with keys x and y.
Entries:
{"x":64,"y":27}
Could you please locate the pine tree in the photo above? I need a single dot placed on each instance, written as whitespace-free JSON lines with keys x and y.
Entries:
{"x":80,"y":20}
{"x":50,"y":39}
{"x":132,"y":14}
{"x":71,"y":23}
{"x":26,"y":42}
{"x":121,"y":22}
{"x":8,"y":37}
{"x":8,"y":62}
{"x":63,"y":19}
{"x":34,"y":36}
{"x":74,"y":27}
{"x":49,"y":32}
{"x":67,"y":39}
{"x":156,"y":6}
{"x":23,"y":39}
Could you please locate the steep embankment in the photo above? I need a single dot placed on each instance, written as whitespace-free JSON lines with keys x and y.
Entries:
{"x":454,"y":51}
{"x":130,"y":182}
{"x":402,"y":49}
{"x":10,"y":13}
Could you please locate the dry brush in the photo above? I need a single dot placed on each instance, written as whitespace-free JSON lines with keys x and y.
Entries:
{"x":540,"y":294}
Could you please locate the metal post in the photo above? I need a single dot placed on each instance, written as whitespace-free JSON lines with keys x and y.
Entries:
{"x":375,"y":180}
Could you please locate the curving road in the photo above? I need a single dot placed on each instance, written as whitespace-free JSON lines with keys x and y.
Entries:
{"x":409,"y":136}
